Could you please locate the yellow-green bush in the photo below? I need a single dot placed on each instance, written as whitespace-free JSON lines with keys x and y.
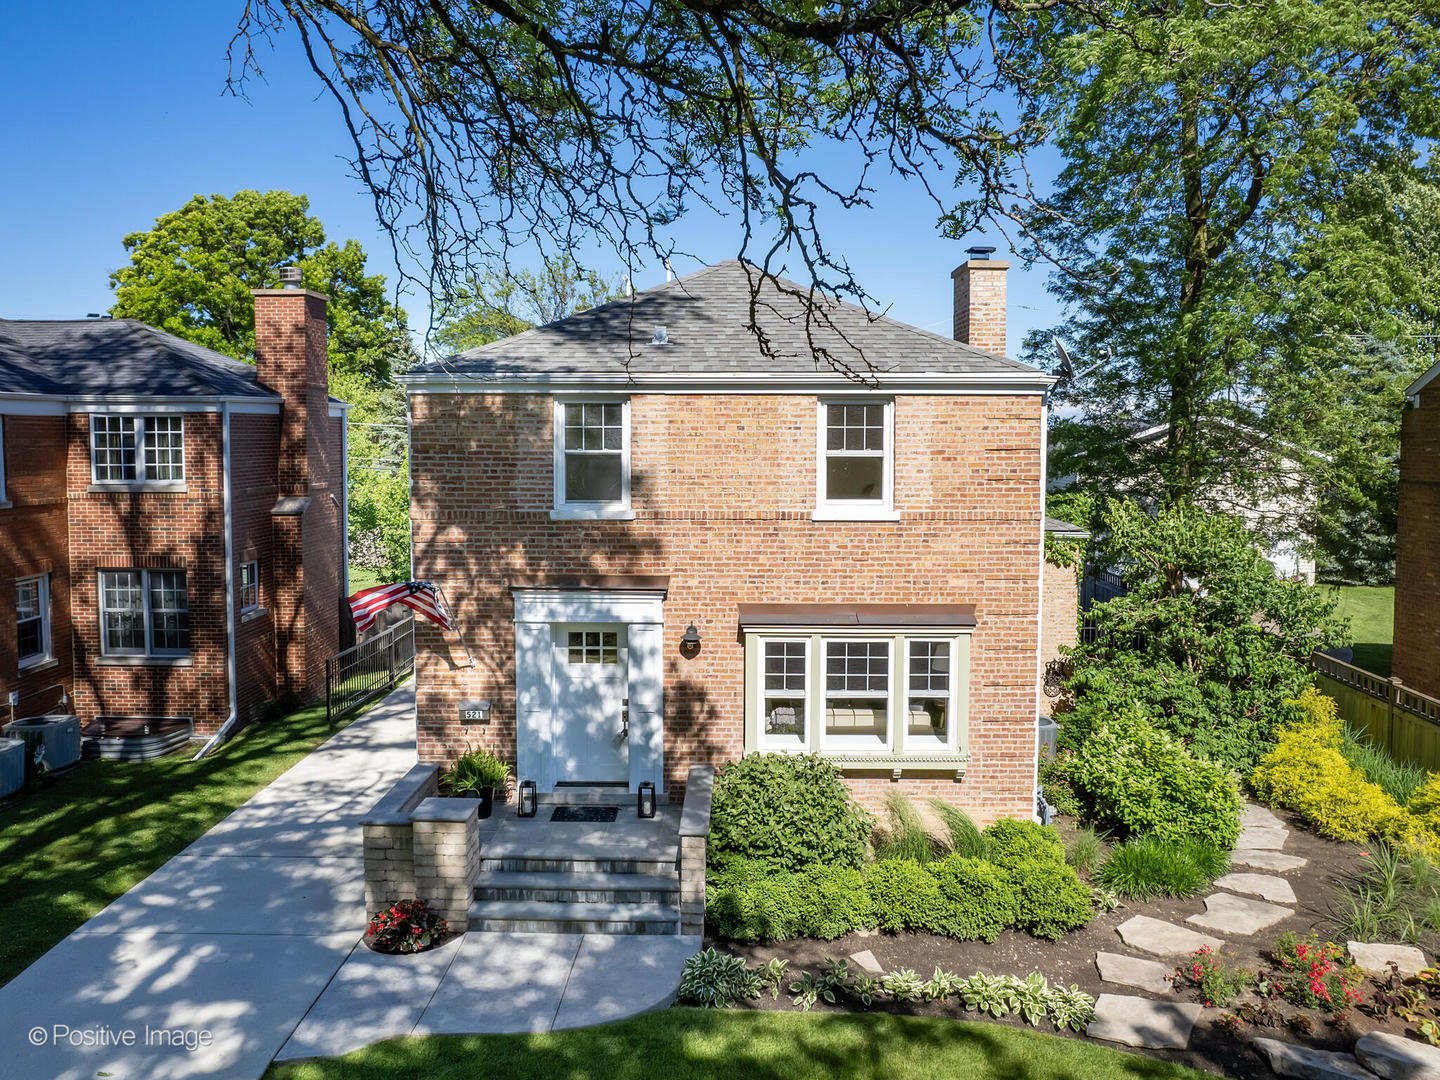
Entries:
{"x":1424,"y":805}
{"x":1307,"y":773}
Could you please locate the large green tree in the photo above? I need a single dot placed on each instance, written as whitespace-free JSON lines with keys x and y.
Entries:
{"x":192,"y":275}
{"x":496,"y":302}
{"x":1223,"y":231}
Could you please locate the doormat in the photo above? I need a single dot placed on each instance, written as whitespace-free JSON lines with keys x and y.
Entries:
{"x":585,"y":813}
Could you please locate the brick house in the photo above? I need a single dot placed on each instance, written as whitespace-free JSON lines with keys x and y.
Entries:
{"x":665,"y":546}
{"x":1416,"y":660}
{"x":172,"y":521}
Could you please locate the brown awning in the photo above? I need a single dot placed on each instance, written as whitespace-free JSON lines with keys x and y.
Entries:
{"x":593,"y":583}
{"x":894,"y":615}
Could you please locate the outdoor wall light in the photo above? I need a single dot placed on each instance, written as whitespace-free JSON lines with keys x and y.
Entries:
{"x":645,"y":802}
{"x":527,"y":799}
{"x":691,"y":637}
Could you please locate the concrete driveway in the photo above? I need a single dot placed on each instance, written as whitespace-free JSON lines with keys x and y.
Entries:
{"x":206,"y":967}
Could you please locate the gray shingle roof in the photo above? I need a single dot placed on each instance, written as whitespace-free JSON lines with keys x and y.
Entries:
{"x":705,"y":316}
{"x":1056,"y":527}
{"x":119,"y":357}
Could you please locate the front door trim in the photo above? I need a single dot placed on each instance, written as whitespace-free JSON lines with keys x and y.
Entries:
{"x":536,"y":611}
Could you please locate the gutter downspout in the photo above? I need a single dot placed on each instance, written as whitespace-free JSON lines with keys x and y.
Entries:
{"x":229,"y":526}
{"x":1040,"y":596}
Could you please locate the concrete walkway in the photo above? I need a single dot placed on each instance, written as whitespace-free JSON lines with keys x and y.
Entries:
{"x":247,"y":945}
{"x":227,"y":945}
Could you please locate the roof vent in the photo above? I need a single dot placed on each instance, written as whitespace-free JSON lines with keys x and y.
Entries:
{"x":980,"y":252}
{"x":290,"y":276}
{"x":661,"y":337}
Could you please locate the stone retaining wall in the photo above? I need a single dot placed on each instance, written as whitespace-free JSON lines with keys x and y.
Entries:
{"x":694,"y":838}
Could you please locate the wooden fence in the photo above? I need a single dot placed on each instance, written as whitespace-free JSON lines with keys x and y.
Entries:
{"x":1404,"y":723}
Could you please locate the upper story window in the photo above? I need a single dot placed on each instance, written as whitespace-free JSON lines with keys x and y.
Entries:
{"x":137,"y":449}
{"x":144,"y":613}
{"x":855,"y":466}
{"x":32,"y":620}
{"x":592,"y":458}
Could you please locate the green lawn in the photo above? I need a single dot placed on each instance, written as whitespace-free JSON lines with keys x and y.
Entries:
{"x":77,"y":841}
{"x":690,"y":1044}
{"x":1371,"y":610}
{"x":363,"y":578}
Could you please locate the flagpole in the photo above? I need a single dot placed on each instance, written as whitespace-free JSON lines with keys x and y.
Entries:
{"x":450,"y":611}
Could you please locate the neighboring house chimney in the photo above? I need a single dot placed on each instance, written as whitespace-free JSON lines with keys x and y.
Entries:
{"x":980,"y":300}
{"x":292,"y":359}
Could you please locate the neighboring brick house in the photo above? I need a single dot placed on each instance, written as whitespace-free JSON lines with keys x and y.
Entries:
{"x":146,"y":481}
{"x":1416,"y":660}
{"x":860,"y":561}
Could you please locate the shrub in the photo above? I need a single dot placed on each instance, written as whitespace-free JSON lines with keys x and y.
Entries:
{"x":790,"y":810}
{"x":1219,"y":980}
{"x":905,"y":896}
{"x":904,"y":835}
{"x":1134,"y":778}
{"x":1050,"y":898}
{"x":978,"y":900}
{"x":1055,"y":783}
{"x":1307,"y":773}
{"x":831,"y":901}
{"x":1424,"y":804}
{"x":407,"y":926}
{"x":1011,"y":842}
{"x":965,"y":838}
{"x":1153,"y":866}
{"x":747,"y":902}
{"x":1207,"y":643}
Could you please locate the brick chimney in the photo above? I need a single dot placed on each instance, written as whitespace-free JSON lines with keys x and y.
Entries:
{"x":305,"y":521}
{"x":291,"y":355}
{"x":980,"y":300}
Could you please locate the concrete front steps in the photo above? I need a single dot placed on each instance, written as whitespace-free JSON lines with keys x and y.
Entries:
{"x":578,"y":878}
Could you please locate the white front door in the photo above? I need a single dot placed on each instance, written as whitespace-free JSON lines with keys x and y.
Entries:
{"x":589,"y":720}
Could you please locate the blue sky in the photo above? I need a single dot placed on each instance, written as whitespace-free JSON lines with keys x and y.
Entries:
{"x":136,"y":121}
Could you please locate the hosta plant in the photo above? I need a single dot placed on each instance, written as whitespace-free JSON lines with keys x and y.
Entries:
{"x":1070,"y":1008}
{"x":903,"y":985}
{"x":810,"y":988}
{"x":987,"y":994}
{"x":407,"y":926}
{"x":715,"y":980}
{"x":940,"y":986}
{"x":1031,"y":996}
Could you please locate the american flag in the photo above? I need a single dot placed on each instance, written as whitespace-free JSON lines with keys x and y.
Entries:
{"x":423,"y":597}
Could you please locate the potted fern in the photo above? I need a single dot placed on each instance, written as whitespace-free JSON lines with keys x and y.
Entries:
{"x":476,"y":774}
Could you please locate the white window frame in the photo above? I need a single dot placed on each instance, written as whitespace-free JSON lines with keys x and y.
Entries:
{"x":583,"y":509}
{"x":253,"y":566}
{"x":856,"y":744}
{"x":827,"y":509}
{"x":148,"y":624}
{"x":929,"y":744}
{"x":795,"y":744}
{"x":46,"y":653}
{"x":141,"y":422}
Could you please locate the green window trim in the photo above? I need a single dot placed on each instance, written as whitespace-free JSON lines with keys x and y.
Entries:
{"x":900,"y":749}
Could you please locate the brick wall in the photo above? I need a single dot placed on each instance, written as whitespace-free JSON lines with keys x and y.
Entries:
{"x":1416,"y":659}
{"x":34,"y":540}
{"x":1061,"y":612}
{"x":723,"y":489}
{"x":254,"y":448}
{"x":152,"y":530}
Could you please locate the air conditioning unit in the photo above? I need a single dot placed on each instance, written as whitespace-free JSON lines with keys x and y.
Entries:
{"x":52,"y":741}
{"x":12,"y":766}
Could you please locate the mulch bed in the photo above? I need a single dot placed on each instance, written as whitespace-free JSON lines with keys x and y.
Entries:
{"x":1072,"y":960}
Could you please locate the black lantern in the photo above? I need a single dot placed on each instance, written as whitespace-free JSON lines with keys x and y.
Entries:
{"x":645,"y":803}
{"x":527,"y":799}
{"x":691,"y":637}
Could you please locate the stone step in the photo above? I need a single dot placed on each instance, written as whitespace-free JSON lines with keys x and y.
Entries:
{"x":587,"y":795}
{"x":1267,"y":860}
{"x":657,"y":861}
{"x":1125,"y":970}
{"x":1239,"y":914}
{"x":538,"y":917}
{"x":1305,"y":1063}
{"x":1163,"y":938}
{"x":1143,"y":1022}
{"x":1266,"y":886}
{"x":585,"y":888}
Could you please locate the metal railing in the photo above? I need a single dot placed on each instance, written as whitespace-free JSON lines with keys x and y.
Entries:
{"x":371,"y":667}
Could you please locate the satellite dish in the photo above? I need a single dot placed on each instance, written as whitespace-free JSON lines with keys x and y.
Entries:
{"x":1067,"y":369}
